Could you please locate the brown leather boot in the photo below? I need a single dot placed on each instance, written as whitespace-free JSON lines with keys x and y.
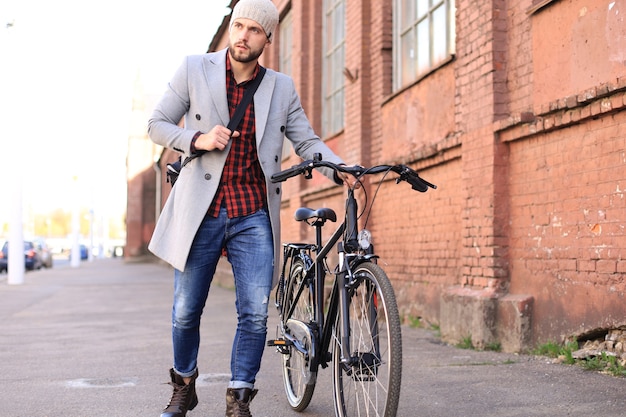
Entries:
{"x":238,"y":401}
{"x":184,"y":397}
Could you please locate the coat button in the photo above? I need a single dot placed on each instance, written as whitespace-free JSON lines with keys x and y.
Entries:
{"x":198,"y":117}
{"x":207,"y":176}
{"x":275,"y":158}
{"x":278,"y":191}
{"x":282,"y":128}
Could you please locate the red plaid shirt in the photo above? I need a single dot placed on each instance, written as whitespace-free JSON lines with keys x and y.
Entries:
{"x":242,"y":186}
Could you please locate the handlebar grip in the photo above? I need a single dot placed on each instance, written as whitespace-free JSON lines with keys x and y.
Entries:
{"x":426,"y":183}
{"x":417,"y":183}
{"x":282,"y":175}
{"x":291,"y":172}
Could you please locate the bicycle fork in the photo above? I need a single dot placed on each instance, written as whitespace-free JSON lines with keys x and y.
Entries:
{"x":343,"y":279}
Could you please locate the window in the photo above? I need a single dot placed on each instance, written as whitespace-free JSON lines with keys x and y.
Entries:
{"x":424,"y":37}
{"x":285,"y":40}
{"x":332,"y":74}
{"x":286,"y":44}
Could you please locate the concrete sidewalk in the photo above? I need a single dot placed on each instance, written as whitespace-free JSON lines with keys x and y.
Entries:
{"x":95,"y":341}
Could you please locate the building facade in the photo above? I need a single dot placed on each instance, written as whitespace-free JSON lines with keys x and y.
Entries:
{"x":515,"y":109}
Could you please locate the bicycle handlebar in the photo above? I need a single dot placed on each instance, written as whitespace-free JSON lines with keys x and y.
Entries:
{"x":404,"y":172}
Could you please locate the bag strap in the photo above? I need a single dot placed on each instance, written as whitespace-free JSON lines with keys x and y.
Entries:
{"x":239,"y":111}
{"x":247,"y":97}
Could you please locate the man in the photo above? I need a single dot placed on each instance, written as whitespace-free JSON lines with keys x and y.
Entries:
{"x":223,"y":200}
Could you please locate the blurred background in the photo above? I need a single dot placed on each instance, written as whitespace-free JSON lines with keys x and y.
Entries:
{"x":70,"y":73}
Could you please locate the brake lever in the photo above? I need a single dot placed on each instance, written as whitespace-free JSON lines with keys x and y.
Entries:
{"x":404,"y":174}
{"x":413,"y":178}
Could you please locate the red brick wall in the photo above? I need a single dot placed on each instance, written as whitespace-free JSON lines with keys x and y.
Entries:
{"x":566,"y":165}
{"x":595,"y":54}
{"x":568,"y":206}
{"x":519,"y":57}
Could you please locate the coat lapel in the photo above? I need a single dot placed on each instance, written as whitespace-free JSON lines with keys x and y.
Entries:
{"x":215,"y":73}
{"x":262,"y":99}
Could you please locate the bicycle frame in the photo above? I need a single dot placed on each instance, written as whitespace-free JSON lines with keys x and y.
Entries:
{"x":316,"y":273}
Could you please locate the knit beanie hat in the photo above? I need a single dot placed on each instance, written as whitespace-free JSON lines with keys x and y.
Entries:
{"x":261,"y":11}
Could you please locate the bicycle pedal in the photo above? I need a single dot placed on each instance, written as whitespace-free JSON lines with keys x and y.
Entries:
{"x":279,"y":342}
{"x":282,"y":345}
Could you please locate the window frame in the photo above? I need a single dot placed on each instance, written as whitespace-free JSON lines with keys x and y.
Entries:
{"x":333,"y":58}
{"x":414,"y":73}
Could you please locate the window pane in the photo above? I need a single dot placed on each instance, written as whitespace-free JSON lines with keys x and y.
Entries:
{"x":451,"y":28}
{"x":439,"y":34}
{"x":334,"y":39}
{"x":329,"y":29}
{"x":422,"y":8}
{"x":286,"y":44}
{"x":328,"y":76}
{"x":423,"y":46}
{"x":338,"y":74}
{"x":340,"y":23}
{"x":336,"y":116}
{"x":407,"y":16}
{"x":407,"y":58}
{"x":424,"y":36}
{"x":342,"y":64}
{"x":326,"y":118}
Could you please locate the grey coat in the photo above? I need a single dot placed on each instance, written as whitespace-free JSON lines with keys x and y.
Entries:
{"x":198,"y":92}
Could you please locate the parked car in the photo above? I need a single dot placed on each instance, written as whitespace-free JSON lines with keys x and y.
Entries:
{"x":32,"y":256}
{"x":45,"y":253}
{"x":84,"y":252}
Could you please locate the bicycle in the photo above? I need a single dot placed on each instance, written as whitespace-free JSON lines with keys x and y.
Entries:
{"x":358,"y":330}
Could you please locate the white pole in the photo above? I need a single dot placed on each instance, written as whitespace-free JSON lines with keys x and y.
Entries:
{"x":12,"y":163}
{"x":101,"y":243}
{"x":16,"y":236}
{"x":91,"y":242}
{"x":75,"y":256}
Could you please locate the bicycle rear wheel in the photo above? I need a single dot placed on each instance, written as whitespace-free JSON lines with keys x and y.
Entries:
{"x":370,"y":385}
{"x":298,"y":377}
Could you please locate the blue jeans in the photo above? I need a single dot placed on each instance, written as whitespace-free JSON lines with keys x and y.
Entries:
{"x":249,"y":245}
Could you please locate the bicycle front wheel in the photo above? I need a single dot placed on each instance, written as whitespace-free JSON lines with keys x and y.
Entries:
{"x":369,"y":385}
{"x":298,"y":377}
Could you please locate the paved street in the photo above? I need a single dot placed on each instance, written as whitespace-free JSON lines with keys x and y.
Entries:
{"x":95,"y":341}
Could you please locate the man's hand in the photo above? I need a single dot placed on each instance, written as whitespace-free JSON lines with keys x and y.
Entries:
{"x":349,"y":180}
{"x":216,"y":138}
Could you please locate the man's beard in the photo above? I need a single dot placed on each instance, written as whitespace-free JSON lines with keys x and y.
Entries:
{"x":244,"y":57}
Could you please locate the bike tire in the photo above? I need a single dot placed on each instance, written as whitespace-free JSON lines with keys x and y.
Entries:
{"x":298,"y":377}
{"x":371,"y":386}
